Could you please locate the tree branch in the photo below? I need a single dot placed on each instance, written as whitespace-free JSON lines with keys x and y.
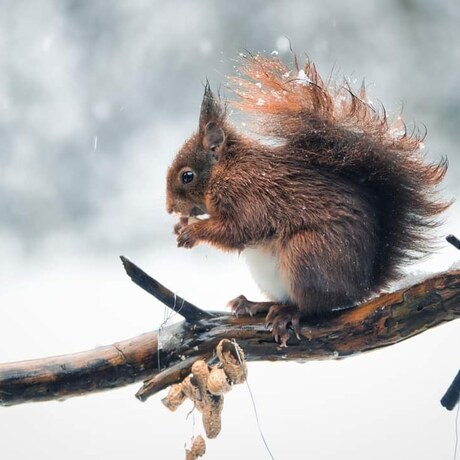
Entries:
{"x":452,"y":396}
{"x":166,"y":356}
{"x":453,"y":240}
{"x":187,"y":310}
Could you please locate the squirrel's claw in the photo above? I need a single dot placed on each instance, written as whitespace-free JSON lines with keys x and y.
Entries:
{"x":177,"y":228}
{"x":244,"y":307}
{"x":240,"y":306}
{"x":186,"y":237}
{"x":281,"y":318}
{"x":183,"y":222}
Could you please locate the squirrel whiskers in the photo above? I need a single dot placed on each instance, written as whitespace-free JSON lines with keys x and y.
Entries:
{"x":327,"y":213}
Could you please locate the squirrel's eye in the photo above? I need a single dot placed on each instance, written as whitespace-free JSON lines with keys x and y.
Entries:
{"x":187,"y":177}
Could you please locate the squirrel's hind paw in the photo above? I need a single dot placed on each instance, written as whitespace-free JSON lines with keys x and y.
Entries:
{"x":281,"y":318}
{"x":241,"y":306}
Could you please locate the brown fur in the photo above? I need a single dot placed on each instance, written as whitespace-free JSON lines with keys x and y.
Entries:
{"x":342,"y":197}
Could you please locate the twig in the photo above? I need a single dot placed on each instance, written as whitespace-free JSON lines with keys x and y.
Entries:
{"x":173,"y":374}
{"x":190,"y":312}
{"x":452,"y":395}
{"x":453,"y":240}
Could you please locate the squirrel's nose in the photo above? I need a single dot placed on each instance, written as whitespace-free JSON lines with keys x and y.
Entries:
{"x":170,"y":206}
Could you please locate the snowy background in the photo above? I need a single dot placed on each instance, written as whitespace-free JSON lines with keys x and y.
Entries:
{"x":95,"y":99}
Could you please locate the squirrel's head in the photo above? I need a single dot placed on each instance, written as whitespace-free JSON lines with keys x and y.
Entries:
{"x":188,"y":175}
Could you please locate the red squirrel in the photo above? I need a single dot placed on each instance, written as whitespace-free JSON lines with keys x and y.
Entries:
{"x":327,"y":208}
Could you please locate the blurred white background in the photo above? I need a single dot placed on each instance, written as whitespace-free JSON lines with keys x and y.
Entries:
{"x":95,"y":99}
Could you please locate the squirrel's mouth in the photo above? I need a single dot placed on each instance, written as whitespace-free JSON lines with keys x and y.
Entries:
{"x":196,"y":211}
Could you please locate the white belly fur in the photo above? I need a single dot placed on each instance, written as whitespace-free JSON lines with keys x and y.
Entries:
{"x":264,"y":268}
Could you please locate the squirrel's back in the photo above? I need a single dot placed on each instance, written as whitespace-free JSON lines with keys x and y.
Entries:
{"x":340,"y":134}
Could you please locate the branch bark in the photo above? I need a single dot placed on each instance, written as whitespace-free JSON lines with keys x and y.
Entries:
{"x":166,"y":356}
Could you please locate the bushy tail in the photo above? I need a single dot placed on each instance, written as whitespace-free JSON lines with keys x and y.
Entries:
{"x":340,"y":130}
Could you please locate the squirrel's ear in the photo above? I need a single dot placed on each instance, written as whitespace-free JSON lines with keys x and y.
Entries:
{"x":211,"y":109}
{"x":213,"y":138}
{"x":211,"y":120}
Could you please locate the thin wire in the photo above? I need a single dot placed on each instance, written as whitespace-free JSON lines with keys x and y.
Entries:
{"x":456,"y":431}
{"x":168,"y":314}
{"x":160,"y":330}
{"x":254,"y":405}
{"x":193,"y":426}
{"x":192,"y":413}
{"x":192,"y":437}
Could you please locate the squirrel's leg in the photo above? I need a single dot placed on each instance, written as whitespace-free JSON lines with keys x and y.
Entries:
{"x":312,"y":269}
{"x":315,"y":286}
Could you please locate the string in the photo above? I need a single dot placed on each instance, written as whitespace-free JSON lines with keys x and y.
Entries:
{"x":253,"y":405}
{"x":168,"y":314}
{"x":192,"y":413}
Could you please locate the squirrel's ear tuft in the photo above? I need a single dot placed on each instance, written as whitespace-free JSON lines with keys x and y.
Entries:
{"x":211,"y":108}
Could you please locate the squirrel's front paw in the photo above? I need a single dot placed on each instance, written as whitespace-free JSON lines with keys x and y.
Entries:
{"x":186,"y":237}
{"x":180,"y":225}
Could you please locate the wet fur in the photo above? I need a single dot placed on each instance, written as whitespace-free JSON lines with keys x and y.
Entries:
{"x":342,"y":200}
